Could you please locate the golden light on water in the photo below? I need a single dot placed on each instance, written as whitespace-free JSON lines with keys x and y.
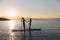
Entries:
{"x":12,"y":35}
{"x":11,"y":24}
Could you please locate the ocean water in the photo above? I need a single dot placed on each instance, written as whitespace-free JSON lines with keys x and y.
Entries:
{"x":50,"y":30}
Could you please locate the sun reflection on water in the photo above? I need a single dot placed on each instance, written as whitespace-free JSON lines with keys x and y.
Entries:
{"x":11,"y":24}
{"x":12,"y":34}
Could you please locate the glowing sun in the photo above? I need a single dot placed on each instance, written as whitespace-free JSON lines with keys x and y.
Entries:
{"x":11,"y":13}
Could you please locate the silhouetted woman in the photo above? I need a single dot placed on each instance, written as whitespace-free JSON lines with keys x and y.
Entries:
{"x":30,"y":21}
{"x":23,"y":20}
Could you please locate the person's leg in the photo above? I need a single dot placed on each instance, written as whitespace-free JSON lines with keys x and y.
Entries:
{"x":24,"y":27}
{"x":29,"y":26}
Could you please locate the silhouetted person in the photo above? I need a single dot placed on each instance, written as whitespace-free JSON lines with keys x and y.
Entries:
{"x":23,"y":20}
{"x":30,"y":21}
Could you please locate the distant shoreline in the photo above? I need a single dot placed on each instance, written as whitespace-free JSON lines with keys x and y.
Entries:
{"x":4,"y":19}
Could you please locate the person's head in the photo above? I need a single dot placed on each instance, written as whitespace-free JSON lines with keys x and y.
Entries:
{"x":30,"y":18}
{"x":22,"y":17}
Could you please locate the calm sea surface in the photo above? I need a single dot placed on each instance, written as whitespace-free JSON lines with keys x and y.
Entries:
{"x":50,"y":30}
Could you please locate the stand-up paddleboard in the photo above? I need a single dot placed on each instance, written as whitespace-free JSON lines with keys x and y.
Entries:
{"x":27,"y":30}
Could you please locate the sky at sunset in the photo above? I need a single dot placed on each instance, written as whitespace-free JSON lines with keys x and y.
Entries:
{"x":30,"y":8}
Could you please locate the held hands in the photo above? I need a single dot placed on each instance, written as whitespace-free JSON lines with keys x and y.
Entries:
{"x":27,"y":21}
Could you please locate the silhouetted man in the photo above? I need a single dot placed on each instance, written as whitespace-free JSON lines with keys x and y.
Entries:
{"x":23,"y":20}
{"x":30,"y":21}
